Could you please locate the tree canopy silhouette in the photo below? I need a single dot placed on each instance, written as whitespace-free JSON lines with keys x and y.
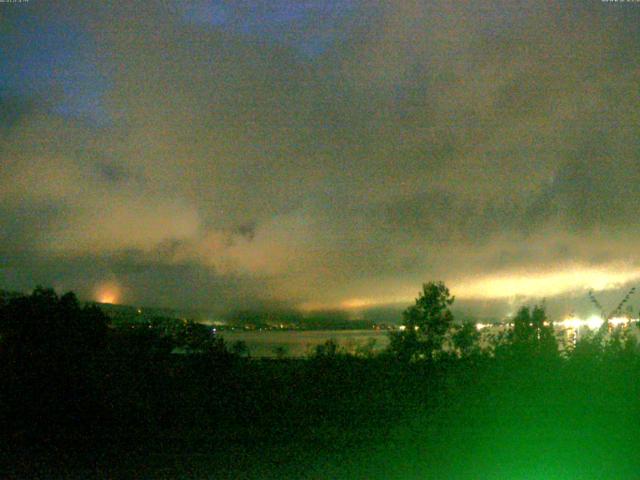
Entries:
{"x":48,"y":348}
{"x":43,"y":324}
{"x":425,"y":324}
{"x":532,"y":335}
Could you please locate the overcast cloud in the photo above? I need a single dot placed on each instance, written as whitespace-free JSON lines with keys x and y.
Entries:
{"x":213,"y":154}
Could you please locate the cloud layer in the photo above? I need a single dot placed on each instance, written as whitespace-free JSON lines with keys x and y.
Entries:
{"x":222,"y":153}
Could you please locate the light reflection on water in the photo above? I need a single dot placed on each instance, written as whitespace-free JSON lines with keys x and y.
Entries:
{"x":297,"y":343}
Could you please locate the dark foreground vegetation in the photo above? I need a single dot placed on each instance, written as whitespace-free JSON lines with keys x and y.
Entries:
{"x":82,"y":398}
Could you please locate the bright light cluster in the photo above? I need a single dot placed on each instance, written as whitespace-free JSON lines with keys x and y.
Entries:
{"x":482,"y":326}
{"x":594,"y":322}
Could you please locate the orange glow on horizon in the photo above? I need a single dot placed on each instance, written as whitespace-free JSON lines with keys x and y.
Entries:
{"x":108,"y":293}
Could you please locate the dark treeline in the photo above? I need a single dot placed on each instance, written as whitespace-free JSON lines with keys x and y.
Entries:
{"x":84,"y":397}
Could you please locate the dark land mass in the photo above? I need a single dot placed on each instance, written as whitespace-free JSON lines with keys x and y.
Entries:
{"x":82,"y":399}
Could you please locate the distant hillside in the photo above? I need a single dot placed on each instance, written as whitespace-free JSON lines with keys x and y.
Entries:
{"x":130,"y":312}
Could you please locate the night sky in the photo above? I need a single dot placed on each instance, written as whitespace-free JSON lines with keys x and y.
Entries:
{"x":316,"y":154}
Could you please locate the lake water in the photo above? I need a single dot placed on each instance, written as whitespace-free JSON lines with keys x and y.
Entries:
{"x":296,"y":343}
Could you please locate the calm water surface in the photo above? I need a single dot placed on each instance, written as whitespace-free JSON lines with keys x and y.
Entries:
{"x":296,"y":343}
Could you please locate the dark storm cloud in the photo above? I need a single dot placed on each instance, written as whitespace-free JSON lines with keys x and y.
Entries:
{"x":320,"y":151}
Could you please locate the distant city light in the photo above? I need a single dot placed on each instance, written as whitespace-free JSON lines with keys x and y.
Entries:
{"x":594,"y":322}
{"x":481,"y":326}
{"x":617,"y":321}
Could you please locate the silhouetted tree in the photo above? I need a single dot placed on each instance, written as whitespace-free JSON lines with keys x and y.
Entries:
{"x":199,"y":338}
{"x":48,"y":350}
{"x":42,"y":324}
{"x":466,"y":340}
{"x":404,"y":345}
{"x":366,"y":349}
{"x":589,"y":348}
{"x":532,"y":334}
{"x":425,"y":323}
{"x":620,"y":344}
{"x":280,"y":351}
{"x":240,"y":348}
{"x":328,"y":349}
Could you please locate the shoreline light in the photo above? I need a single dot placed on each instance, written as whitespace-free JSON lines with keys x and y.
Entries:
{"x":594,"y":322}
